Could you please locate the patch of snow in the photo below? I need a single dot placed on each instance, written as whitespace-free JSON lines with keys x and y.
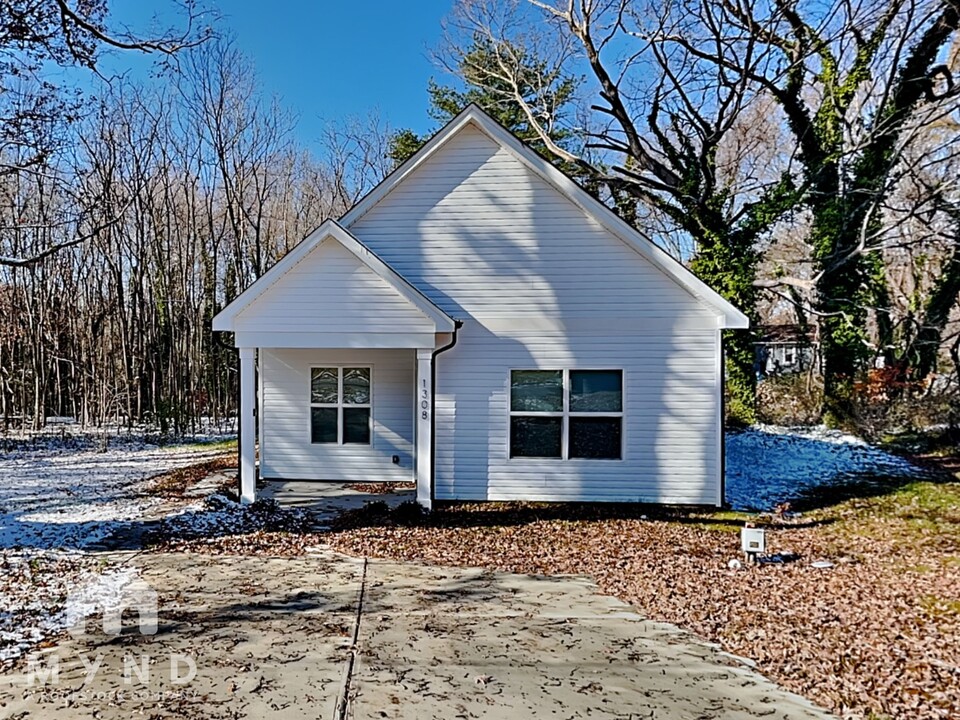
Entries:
{"x":218,"y":515}
{"x":104,"y":594}
{"x":55,"y":504}
{"x":200,"y":517}
{"x":53,"y":499}
{"x":34,"y":589}
{"x":767,"y":465}
{"x":61,"y":435}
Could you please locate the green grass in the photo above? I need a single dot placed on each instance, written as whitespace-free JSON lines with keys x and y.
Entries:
{"x":940,"y":607}
{"x":935,"y":503}
{"x":723,"y":520}
{"x":224,"y":445}
{"x":923,"y":514}
{"x":937,"y":443}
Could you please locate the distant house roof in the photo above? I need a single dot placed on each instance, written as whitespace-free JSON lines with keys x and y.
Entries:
{"x":787,"y":333}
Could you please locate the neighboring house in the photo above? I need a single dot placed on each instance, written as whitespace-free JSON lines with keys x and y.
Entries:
{"x":482,"y":325}
{"x":785,"y":349}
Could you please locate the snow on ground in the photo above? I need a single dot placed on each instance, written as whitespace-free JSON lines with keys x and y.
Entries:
{"x":32,"y":591}
{"x":58,"y":501}
{"x":55,"y":504}
{"x":767,"y":465}
{"x":72,"y":435}
{"x":217,"y":516}
{"x":55,"y":499}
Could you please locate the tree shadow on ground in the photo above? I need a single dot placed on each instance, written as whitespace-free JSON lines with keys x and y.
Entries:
{"x":861,"y":486}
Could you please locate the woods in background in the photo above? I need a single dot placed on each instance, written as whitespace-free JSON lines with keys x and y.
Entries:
{"x":799,"y":157}
{"x":125,"y":231}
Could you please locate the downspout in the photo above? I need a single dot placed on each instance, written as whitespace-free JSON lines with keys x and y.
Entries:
{"x":723,"y":423}
{"x":457,"y":324}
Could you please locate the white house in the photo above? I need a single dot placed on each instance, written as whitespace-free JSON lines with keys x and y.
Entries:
{"x":480,"y":324}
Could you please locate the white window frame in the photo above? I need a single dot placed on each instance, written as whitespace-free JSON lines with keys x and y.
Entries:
{"x":565,"y":414}
{"x":339,"y":405}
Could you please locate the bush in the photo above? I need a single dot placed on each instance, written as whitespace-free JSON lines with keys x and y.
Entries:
{"x":881,"y":409}
{"x":377,"y":513}
{"x":376,"y":509}
{"x":409,"y":513}
{"x":790,"y":399}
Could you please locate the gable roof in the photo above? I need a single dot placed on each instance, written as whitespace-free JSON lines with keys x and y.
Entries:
{"x":473,"y":115}
{"x":332,"y":229}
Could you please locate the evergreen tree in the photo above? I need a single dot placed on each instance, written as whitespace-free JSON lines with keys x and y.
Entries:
{"x":539,"y":90}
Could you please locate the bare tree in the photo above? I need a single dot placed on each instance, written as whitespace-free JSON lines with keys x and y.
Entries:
{"x":358,"y":154}
{"x":181,"y":206}
{"x":663,"y":134}
{"x":36,"y":113}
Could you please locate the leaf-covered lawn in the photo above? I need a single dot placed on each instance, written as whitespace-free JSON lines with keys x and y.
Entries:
{"x":879,"y":632}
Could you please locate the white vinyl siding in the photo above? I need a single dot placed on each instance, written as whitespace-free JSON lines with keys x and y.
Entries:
{"x":481,"y":235}
{"x":286,"y":451}
{"x":541,"y":284}
{"x":670,"y":418}
{"x":331,"y":291}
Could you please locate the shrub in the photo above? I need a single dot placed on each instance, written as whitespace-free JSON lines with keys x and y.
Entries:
{"x":376,"y":508}
{"x":880,"y":409}
{"x":790,"y":399}
{"x":409,"y":513}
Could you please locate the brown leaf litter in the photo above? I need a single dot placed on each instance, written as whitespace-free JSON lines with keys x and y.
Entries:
{"x":877,"y":633}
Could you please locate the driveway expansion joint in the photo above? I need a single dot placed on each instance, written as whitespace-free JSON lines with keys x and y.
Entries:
{"x":343,"y":700}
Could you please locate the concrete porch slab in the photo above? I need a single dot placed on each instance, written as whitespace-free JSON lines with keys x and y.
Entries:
{"x":325,"y":500}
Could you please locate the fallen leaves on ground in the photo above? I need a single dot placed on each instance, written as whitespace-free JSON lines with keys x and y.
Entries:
{"x":221,"y":526}
{"x":382,"y":488}
{"x":878,"y":632}
{"x":176,"y":482}
{"x":34,"y":586}
{"x":258,"y":542}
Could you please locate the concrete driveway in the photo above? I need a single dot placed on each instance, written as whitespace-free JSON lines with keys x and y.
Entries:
{"x":331,"y":637}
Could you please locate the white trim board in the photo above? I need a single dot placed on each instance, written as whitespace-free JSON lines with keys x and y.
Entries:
{"x":296,"y":340}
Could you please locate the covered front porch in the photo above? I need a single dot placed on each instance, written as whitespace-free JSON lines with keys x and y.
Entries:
{"x":336,"y":368}
{"x":340,"y":415}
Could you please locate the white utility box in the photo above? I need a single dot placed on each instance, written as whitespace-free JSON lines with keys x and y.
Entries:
{"x":752,"y":540}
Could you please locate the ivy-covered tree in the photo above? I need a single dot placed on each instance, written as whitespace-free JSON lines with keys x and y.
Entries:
{"x":659,"y":141}
{"x":853,"y":84}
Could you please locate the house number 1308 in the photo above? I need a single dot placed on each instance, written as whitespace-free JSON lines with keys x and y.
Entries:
{"x":424,"y":402}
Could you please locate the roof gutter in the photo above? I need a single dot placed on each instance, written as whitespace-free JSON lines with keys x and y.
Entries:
{"x":457,"y":324}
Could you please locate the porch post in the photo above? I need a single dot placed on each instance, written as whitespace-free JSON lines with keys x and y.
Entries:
{"x":424,"y":459}
{"x":248,"y":401}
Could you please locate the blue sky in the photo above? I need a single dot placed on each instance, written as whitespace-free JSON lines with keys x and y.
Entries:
{"x":323,"y":58}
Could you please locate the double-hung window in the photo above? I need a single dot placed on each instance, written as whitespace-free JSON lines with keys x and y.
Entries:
{"x":340,"y":405}
{"x":566,"y":414}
